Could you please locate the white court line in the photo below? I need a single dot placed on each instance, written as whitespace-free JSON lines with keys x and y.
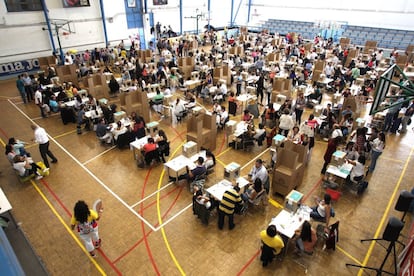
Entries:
{"x":154,"y":193}
{"x":173,"y":217}
{"x":102,"y":153}
{"x":90,"y":173}
{"x":245,"y":165}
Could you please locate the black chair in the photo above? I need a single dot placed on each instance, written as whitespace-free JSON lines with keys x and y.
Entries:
{"x":124,"y":139}
{"x":232,"y":108}
{"x":151,"y":156}
{"x":201,"y":211}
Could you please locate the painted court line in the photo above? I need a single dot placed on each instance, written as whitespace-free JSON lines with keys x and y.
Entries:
{"x":254,"y":159}
{"x":98,"y":267}
{"x":99,"y":155}
{"x":152,"y":194}
{"x":90,"y":173}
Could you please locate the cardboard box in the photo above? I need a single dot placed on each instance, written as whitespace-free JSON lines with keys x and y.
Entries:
{"x":189,"y":149}
{"x":301,"y":150}
{"x":119,"y":115}
{"x":230,"y":127}
{"x":293,"y":201}
{"x":152,"y":128}
{"x":232,"y":171}
{"x":284,"y":176}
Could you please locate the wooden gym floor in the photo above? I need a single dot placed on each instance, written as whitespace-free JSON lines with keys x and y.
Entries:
{"x":148,"y":227}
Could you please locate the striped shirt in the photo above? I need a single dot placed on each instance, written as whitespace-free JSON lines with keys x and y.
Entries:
{"x":229,"y":201}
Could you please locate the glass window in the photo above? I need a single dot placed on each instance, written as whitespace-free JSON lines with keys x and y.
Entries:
{"x":23,"y":5}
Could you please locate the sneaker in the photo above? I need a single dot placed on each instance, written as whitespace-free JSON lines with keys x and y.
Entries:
{"x":93,"y":254}
{"x":54,"y":161}
{"x":45,"y":170}
{"x":39,"y":177}
{"x":98,"y":244}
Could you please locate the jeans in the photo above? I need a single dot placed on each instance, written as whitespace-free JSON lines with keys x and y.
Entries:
{"x":374,"y":156}
{"x":299,"y":113}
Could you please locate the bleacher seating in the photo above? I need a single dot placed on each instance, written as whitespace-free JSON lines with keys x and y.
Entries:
{"x":386,"y":38}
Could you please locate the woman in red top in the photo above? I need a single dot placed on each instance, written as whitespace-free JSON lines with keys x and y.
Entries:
{"x":332,"y":144}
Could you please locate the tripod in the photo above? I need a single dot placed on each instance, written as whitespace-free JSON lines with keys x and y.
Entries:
{"x":380,"y":270}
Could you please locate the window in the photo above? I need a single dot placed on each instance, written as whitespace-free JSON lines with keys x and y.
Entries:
{"x":23,"y":5}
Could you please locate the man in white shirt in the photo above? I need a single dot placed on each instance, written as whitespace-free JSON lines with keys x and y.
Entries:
{"x":40,"y":137}
{"x":39,"y":102}
{"x":259,"y":171}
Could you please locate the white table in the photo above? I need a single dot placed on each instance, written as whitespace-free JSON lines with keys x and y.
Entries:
{"x":342,"y":171}
{"x":287,"y":223}
{"x":178,"y":164}
{"x":5,"y":206}
{"x":136,"y":147}
{"x":218,"y":189}
{"x":241,"y":128}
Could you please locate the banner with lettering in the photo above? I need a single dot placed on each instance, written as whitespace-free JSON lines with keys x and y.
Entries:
{"x":18,"y":67}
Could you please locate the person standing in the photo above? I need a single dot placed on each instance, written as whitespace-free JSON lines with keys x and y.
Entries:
{"x":378,"y":146}
{"x":42,"y":139}
{"x":259,"y":89}
{"x":85,"y":220}
{"x":20,"y":87}
{"x":407,"y":116}
{"x":227,"y":205}
{"x":39,"y":102}
{"x":259,"y":171}
{"x":331,"y":148}
{"x":299,"y":106}
{"x":272,"y":244}
{"x":28,"y":86}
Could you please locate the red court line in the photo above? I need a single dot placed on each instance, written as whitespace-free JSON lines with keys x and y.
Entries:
{"x":4,"y":133}
{"x":179,"y":134}
{"x":222,"y":144}
{"x":164,"y":196}
{"x":249,"y":262}
{"x":316,"y":185}
{"x":56,"y":197}
{"x":44,"y":182}
{"x":154,"y":265}
{"x":257,"y":253}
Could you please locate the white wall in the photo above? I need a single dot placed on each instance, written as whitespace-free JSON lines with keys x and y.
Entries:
{"x":23,"y":38}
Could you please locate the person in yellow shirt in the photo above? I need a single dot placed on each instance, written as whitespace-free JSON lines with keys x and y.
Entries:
{"x":272,"y":244}
{"x":85,"y":220}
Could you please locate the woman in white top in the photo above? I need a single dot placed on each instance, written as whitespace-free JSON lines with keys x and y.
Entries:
{"x":322,"y":211}
{"x":285,"y":122}
{"x":378,"y":145}
{"x":358,"y":170}
{"x":177,"y":110}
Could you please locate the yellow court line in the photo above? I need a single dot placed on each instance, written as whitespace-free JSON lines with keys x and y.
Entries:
{"x":377,"y":233}
{"x":2,"y":143}
{"x":64,"y":134}
{"x":392,"y":159}
{"x":275,"y":203}
{"x":348,"y":255}
{"x":98,"y":267}
{"x":221,"y":162}
{"x":223,"y":152}
{"x":164,"y":236}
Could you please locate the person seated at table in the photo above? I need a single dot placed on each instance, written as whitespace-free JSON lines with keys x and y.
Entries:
{"x":347,"y":111}
{"x":103,"y":133}
{"x":316,"y":95}
{"x":210,"y":160}
{"x":253,"y":190}
{"x":26,"y":167}
{"x":78,"y":102}
{"x":306,"y":239}
{"x":272,"y":244}
{"x":294,"y":135}
{"x":247,"y":117}
{"x":337,"y":132}
{"x":113,"y":85}
{"x":82,"y":119}
{"x":350,"y":151}
{"x":10,"y":153}
{"x":163,"y":145}
{"x":222,"y":118}
{"x":178,"y":111}
{"x":203,"y":199}
{"x":139,"y":126}
{"x":69,"y":90}
{"x":157,"y":101}
{"x":346,"y":125}
{"x":118,"y":130}
{"x":92,"y":101}
{"x":126,"y":77}
{"x":259,"y":134}
{"x":195,"y":173}
{"x":83,"y":70}
{"x":323,"y":209}
{"x":216,"y":109}
{"x":54,"y":106}
{"x":151,"y":152}
{"x":219,"y":97}
{"x":358,"y":171}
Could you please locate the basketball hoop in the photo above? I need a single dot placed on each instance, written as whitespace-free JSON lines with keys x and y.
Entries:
{"x":65,"y":34}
